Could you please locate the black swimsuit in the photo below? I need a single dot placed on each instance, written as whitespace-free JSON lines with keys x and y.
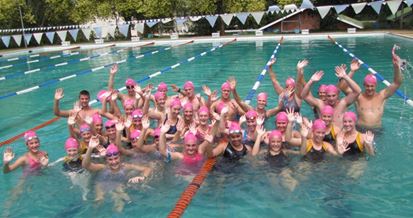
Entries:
{"x":231,"y":154}
{"x":172,"y":128}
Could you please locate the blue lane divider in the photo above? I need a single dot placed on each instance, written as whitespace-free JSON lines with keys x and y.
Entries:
{"x":80,"y":73}
{"x":371,"y":70}
{"x":261,"y":76}
{"x":52,"y":66}
{"x":37,"y":55}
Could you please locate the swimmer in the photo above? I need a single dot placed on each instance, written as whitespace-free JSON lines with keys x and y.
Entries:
{"x":225,"y":101}
{"x":262,"y":99}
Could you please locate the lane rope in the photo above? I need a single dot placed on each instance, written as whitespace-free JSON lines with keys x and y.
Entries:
{"x":38,"y":54}
{"x":371,"y":70}
{"x":188,"y":60}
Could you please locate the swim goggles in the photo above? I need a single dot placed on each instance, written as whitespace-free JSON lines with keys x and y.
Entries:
{"x":111,"y":154}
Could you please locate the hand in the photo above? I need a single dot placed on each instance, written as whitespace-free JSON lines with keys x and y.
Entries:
{"x":147,"y":93}
{"x":128,"y":122}
{"x":355,"y":65}
{"x":209,"y":138}
{"x":340,"y":72}
{"x":120,"y":126}
{"x":165,"y":128}
{"x":77,"y":107}
{"x":344,"y":67}
{"x":342,"y":147}
{"x":242,"y":119}
{"x":180,"y":126}
{"x":113,"y":95}
{"x":174,"y":88}
{"x":192,"y":128}
{"x":317,"y":76}
{"x":260,"y":121}
{"x":101,"y":150}
{"x":136,"y":179}
{"x":8,"y":155}
{"x":58,"y":94}
{"x":232,"y":82}
{"x":289,"y":92}
{"x":145,"y":122}
{"x":216,"y":116}
{"x":214,"y":96}
{"x":368,"y":137}
{"x":114,"y":69}
{"x":224,"y":110}
{"x":261,"y":131}
{"x":94,"y":142}
{"x":302,"y":64}
{"x":207,"y":90}
{"x":271,"y":62}
{"x":298,"y":118}
{"x":88,"y":120}
{"x":44,"y":160}
{"x":71,"y":120}
{"x":290,"y":114}
{"x":137,"y":89}
{"x":395,"y":58}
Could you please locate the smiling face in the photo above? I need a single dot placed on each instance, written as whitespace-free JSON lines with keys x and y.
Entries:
{"x":348,"y":124}
{"x":175,"y":110}
{"x":251,"y":123}
{"x":332,"y":98}
{"x":84,"y":101}
{"x":275,"y":144}
{"x":161,"y":101}
{"x":236,"y":139}
{"x":370,"y":89}
{"x":33,"y":145}
{"x":281,"y":125}
{"x":72,"y":152}
{"x":129,"y":109}
{"x":86,"y":135}
{"x":189,"y":92}
{"x":191,"y":149}
{"x":188,"y":114}
{"x":327,"y":118}
{"x":225,"y":93}
{"x":113,"y":162}
{"x":318,"y":135}
{"x":203,"y":118}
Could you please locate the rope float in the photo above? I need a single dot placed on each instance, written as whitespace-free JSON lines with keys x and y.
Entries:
{"x":8,"y":141}
{"x":262,"y":74}
{"x":371,"y":70}
{"x":36,"y":55}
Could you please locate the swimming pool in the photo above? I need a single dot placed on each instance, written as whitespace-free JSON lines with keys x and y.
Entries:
{"x":382,"y":190}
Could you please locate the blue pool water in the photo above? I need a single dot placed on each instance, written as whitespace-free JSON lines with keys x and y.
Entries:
{"x":325,"y":190}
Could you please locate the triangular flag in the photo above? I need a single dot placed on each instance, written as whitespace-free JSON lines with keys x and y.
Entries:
{"x":180,"y":21}
{"x":166,"y":20}
{"x":86,"y":32}
{"x":257,"y":16}
{"x":195,"y":18}
{"x":38,"y":37}
{"x":111,"y":31}
{"x":140,"y":27}
{"x":377,"y":6}
{"x":323,"y":10}
{"x":123,"y":29}
{"x":242,"y":17}
{"x":151,"y":23}
{"x":28,"y":37}
{"x":6,"y":40}
{"x":62,"y":35}
{"x":73,"y":33}
{"x":340,"y":8}
{"x":307,"y":5}
{"x":211,"y":19}
{"x":50,"y":36}
{"x":358,"y":7}
{"x":17,"y":39}
{"x":98,"y":32}
{"x":394,"y":5}
{"x":105,"y":30}
{"x":409,"y":2}
{"x":227,"y":18}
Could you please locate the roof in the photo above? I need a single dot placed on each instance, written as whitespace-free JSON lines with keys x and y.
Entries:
{"x":281,"y":19}
{"x":350,"y":21}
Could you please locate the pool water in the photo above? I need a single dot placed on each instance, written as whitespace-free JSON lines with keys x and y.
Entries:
{"x":253,"y":189}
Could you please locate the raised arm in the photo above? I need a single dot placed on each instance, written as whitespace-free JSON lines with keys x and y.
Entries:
{"x":86,"y":163}
{"x":8,"y":156}
{"x":304,"y":133}
{"x":342,"y":85}
{"x":397,"y":77}
{"x":260,"y":134}
{"x":355,"y":89}
{"x":300,"y":77}
{"x":277,"y":87}
{"x":112,"y":73}
{"x":307,"y":96}
{"x":56,"y":109}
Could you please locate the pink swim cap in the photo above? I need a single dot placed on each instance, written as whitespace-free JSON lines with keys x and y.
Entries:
{"x":137,"y":113}
{"x":176,"y":103}
{"x":332,"y":89}
{"x":135,"y":134}
{"x":188,"y":85}
{"x":275,"y":134}
{"x":262,"y":96}
{"x":290,"y":82}
{"x":203,"y":109}
{"x":226,"y":86}
{"x":157,"y":132}
{"x":319,"y":125}
{"x":129,"y":102}
{"x":322,"y":88}
{"x":220,"y":106}
{"x":188,"y":106}
{"x":112,"y":149}
{"x":100,"y":95}
{"x":162,"y":87}
{"x":251,"y":114}
{"x":234,"y":127}
{"x":327,"y":109}
{"x":370,"y":79}
{"x":130,"y":82}
{"x":281,"y":116}
{"x":190,"y":139}
{"x":71,"y":143}
{"x":97,"y":119}
{"x":159,"y":95}
{"x":351,"y":115}
{"x":29,"y":135}
{"x":84,"y":128}
{"x":109,"y":123}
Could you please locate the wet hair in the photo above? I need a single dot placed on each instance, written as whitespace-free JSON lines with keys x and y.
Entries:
{"x":84,"y":92}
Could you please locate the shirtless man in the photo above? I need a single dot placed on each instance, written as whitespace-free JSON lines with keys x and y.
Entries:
{"x":226,"y":101}
{"x":332,"y":92}
{"x":189,"y":95}
{"x":370,"y":104}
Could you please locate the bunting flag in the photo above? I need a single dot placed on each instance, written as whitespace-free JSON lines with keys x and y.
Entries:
{"x":290,"y":8}
{"x":98,"y":32}
{"x":111,"y":30}
{"x":151,"y":23}
{"x":257,"y":16}
{"x":307,"y":5}
{"x":340,"y":8}
{"x":139,"y":27}
{"x":211,"y":19}
{"x":6,"y":40}
{"x":323,"y":10}
{"x":50,"y":36}
{"x":394,"y":5}
{"x":28,"y":37}
{"x":409,"y":2}
{"x":86,"y":32}
{"x":38,"y":37}
{"x":227,"y":18}
{"x":74,"y":33}
{"x":123,"y":29}
{"x":242,"y":17}
{"x":180,"y":21}
{"x":358,"y":7}
{"x":62,"y":35}
{"x":166,"y":20}
{"x":18,"y":39}
{"x":195,"y":18}
{"x":105,"y":30}
{"x":273,"y":8}
{"x":377,"y":6}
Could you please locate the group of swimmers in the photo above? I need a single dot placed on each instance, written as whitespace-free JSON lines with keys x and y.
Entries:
{"x":189,"y":128}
